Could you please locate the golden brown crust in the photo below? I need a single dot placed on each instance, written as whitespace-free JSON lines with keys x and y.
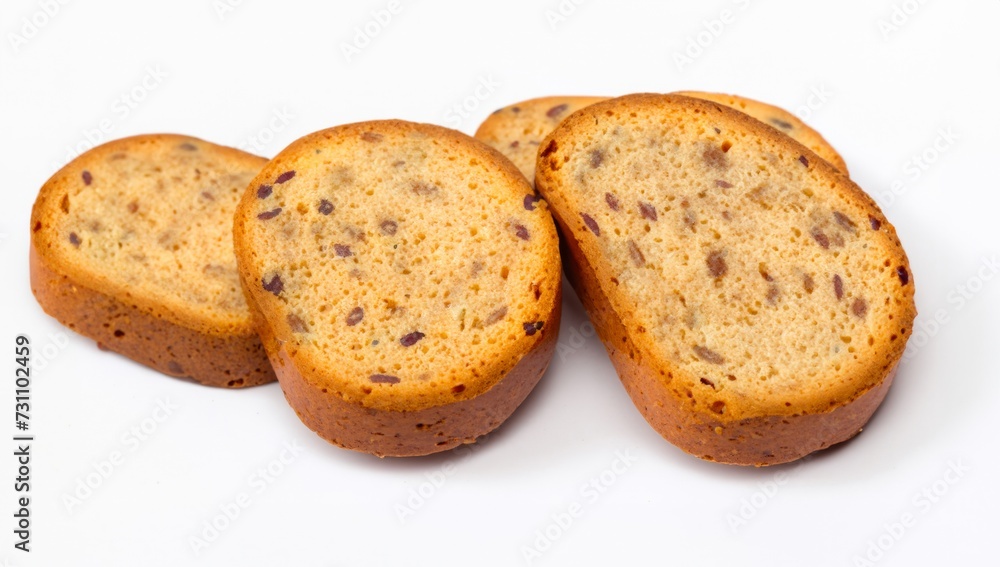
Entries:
{"x":410,"y":433}
{"x":231,"y":361}
{"x":758,"y":441}
{"x":751,"y":432}
{"x":217,"y":348}
{"x":413,"y":416}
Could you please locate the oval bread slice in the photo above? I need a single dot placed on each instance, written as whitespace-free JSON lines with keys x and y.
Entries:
{"x":131,"y":245}
{"x":518,"y":130}
{"x":407,"y":281}
{"x":753,"y":299}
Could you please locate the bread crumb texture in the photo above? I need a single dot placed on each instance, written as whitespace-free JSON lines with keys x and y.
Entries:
{"x":751,"y":275}
{"x":399,"y":266}
{"x":144,"y":225}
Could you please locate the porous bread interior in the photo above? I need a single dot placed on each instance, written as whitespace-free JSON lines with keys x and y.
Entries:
{"x":716,"y":284}
{"x":427,"y":232}
{"x":153,"y":226}
{"x":517,"y":130}
{"x":779,"y":118}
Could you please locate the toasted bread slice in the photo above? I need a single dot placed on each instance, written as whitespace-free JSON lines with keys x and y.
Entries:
{"x":131,"y":245}
{"x":753,"y":299}
{"x":407,"y":283}
{"x":518,"y":130}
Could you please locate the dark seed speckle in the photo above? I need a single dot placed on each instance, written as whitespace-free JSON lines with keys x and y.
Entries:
{"x":708,"y":355}
{"x":383,"y":379}
{"x":355,"y":316}
{"x":530,"y":201}
{"x":557,"y":110}
{"x":268,"y":215}
{"x":904,"y":276}
{"x":275,"y":286}
{"x":612,"y":202}
{"x":411,"y":338}
{"x":647,"y":211}
{"x":591,"y":223}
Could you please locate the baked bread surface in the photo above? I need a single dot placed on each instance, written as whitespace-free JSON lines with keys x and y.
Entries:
{"x":754,"y":300}
{"x":406,"y":280}
{"x":131,"y":245}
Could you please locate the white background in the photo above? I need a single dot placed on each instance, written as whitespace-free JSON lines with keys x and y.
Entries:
{"x":274,"y":71}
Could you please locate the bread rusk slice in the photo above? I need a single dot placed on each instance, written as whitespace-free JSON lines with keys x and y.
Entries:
{"x":406,"y":282}
{"x":131,"y":245}
{"x":518,"y":130}
{"x":755,"y":302}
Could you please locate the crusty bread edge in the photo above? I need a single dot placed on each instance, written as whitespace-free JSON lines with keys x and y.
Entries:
{"x":41,"y":240}
{"x":232,"y":361}
{"x":390,"y":429}
{"x":171,"y":342}
{"x":753,"y":440}
{"x":410,"y":433}
{"x":757,"y":441}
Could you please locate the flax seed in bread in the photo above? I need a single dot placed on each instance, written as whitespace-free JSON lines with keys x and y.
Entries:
{"x":753,"y":299}
{"x":406,"y":281}
{"x":131,"y":245}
